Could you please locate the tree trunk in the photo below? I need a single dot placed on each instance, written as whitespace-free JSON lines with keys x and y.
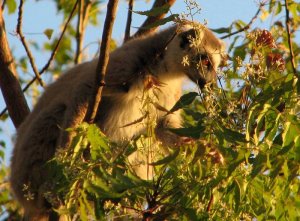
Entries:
{"x":9,"y":83}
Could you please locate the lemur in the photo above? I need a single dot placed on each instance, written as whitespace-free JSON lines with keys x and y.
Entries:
{"x":159,"y":55}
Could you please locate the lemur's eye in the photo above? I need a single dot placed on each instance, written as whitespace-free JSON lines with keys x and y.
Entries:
{"x":204,"y":59}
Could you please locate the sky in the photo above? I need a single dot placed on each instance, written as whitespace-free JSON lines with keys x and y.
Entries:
{"x":41,"y":15}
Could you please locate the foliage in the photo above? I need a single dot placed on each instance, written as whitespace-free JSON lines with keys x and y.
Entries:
{"x":7,"y":204}
{"x":244,"y":157}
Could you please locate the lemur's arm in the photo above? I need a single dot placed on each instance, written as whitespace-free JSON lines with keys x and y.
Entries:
{"x":74,"y":114}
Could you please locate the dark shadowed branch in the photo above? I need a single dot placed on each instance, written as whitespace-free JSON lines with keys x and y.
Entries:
{"x":287,"y":24}
{"x":52,"y":54}
{"x":248,"y":25}
{"x":25,"y":45}
{"x":129,"y":19}
{"x":151,"y":19}
{"x":103,"y":60}
{"x":9,"y":83}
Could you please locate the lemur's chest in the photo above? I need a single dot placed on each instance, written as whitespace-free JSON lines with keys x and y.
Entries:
{"x":130,"y":114}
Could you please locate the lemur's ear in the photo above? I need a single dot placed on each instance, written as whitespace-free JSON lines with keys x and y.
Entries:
{"x":185,"y":38}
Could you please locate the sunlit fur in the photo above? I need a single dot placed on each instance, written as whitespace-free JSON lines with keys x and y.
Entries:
{"x":159,"y":55}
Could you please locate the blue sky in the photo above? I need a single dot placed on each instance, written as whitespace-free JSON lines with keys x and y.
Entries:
{"x":40,"y":15}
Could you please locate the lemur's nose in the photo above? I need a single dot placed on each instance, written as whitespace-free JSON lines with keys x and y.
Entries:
{"x":201,"y":82}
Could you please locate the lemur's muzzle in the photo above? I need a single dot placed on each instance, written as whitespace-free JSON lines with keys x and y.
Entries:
{"x":201,"y":82}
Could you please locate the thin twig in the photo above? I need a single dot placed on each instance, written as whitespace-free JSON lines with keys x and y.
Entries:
{"x":51,"y":56}
{"x":288,"y":30}
{"x":211,"y":200}
{"x":248,"y":25}
{"x":59,"y":40}
{"x":103,"y":61}
{"x":24,"y":43}
{"x":129,"y":20}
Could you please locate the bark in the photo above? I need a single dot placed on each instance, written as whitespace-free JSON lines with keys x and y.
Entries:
{"x":9,"y":83}
{"x":83,"y":14}
{"x":129,"y":19}
{"x":103,"y":61}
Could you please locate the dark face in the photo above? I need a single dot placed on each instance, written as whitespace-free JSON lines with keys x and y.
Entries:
{"x":203,"y":56}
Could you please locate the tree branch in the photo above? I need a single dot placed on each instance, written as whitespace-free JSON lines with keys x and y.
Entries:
{"x":9,"y":83}
{"x":24,"y":43}
{"x":151,"y":19}
{"x":248,"y":25}
{"x":3,"y":5}
{"x":287,"y":25}
{"x":129,"y":19}
{"x":52,"y":54}
{"x":103,"y":61}
{"x":83,"y":13}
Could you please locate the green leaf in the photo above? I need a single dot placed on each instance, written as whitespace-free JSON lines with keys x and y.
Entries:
{"x":278,"y":8}
{"x":83,"y":214}
{"x":233,"y":43}
{"x":237,"y":195}
{"x":264,"y":15}
{"x":190,"y":213}
{"x":102,"y":190}
{"x":258,"y":164}
{"x":285,"y":169}
{"x":251,"y":120}
{"x":155,"y":11}
{"x":185,"y":100}
{"x":193,"y":132}
{"x":97,"y":138}
{"x":272,"y":127}
{"x":233,"y":136}
{"x":11,"y":6}
{"x":167,"y":159}
{"x":76,"y":147}
{"x":2,"y":155}
{"x":222,"y":30}
{"x":162,"y":21}
{"x":291,"y":130}
{"x":239,"y":24}
{"x":297,"y":148}
{"x":48,"y":32}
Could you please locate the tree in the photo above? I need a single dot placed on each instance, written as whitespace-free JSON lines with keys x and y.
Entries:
{"x":244,"y":162}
